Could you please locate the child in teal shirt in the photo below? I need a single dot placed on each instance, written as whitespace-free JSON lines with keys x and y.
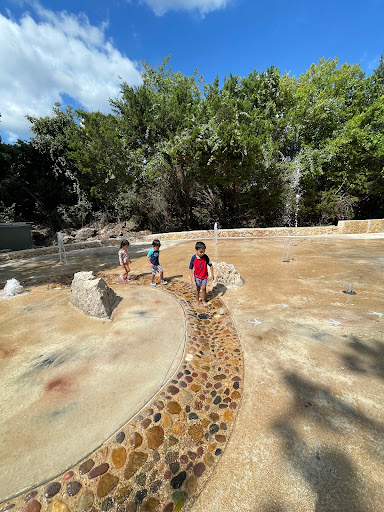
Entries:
{"x":153,"y":260}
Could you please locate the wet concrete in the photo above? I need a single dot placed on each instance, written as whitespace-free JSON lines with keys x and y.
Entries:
{"x":97,"y":259}
{"x":310,"y":431}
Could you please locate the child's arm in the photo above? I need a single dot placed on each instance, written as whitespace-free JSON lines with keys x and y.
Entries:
{"x":192,"y":270}
{"x":148,"y":257}
{"x":210,"y":266}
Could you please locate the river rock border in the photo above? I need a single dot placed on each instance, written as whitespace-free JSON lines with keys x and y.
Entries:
{"x":161,"y":459}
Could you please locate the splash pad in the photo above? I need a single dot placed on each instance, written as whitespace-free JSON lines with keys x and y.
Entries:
{"x":313,"y":387}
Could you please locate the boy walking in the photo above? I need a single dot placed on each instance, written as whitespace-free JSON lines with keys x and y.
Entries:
{"x":153,"y":260}
{"x":198,"y":270}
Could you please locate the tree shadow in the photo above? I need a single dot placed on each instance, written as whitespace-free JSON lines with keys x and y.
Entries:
{"x":45,"y":268}
{"x":368,"y":358}
{"x":328,"y":470}
{"x":329,"y":410}
{"x":274,"y":507}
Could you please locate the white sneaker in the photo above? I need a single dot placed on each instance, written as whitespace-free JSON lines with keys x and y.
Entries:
{"x":152,"y":283}
{"x":163,"y":282}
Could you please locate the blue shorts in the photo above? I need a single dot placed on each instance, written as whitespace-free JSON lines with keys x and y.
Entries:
{"x":156,"y":268}
{"x":201,"y":282}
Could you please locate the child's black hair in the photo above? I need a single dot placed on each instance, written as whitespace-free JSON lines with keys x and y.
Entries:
{"x":124,"y":242}
{"x":200,"y":245}
{"x":156,"y":242}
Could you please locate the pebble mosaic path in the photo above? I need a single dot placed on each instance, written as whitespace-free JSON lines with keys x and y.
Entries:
{"x":161,"y":459}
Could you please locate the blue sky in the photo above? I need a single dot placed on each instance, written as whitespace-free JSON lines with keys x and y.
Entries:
{"x":75,"y":51}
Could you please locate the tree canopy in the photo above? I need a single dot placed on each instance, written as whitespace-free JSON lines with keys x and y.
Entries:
{"x":178,"y":153}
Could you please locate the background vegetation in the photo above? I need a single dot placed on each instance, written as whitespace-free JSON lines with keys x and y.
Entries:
{"x":176,"y":153}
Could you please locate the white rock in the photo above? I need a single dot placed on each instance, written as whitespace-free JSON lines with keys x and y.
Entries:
{"x":92,"y":295}
{"x":227,"y":275}
{"x":12,"y":287}
{"x":85,"y":233}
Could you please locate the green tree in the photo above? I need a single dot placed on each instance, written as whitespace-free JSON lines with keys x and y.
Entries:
{"x":51,"y":140}
{"x":375,"y":82}
{"x":97,"y":149}
{"x":157,"y":124}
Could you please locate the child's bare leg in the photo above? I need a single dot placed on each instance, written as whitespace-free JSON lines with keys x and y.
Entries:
{"x":197,"y":295}
{"x":124,"y":275}
{"x":203,"y":295}
{"x":161,"y":276}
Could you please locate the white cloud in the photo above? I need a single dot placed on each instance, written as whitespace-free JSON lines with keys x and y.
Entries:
{"x":160,"y":7}
{"x":58,"y":54}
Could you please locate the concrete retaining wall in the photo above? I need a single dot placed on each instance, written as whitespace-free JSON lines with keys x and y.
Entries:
{"x":344,"y":227}
{"x":15,"y":235}
{"x":361,"y":226}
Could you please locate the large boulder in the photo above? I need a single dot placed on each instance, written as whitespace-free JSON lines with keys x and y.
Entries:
{"x":227,"y":275}
{"x":84,"y":233}
{"x":92,"y":295}
{"x":68,"y":239}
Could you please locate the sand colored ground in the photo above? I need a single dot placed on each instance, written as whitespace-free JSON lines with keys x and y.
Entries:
{"x":310,"y":431}
{"x":68,"y":381}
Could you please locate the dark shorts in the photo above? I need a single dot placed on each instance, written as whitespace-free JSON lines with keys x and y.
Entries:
{"x":201,"y":282}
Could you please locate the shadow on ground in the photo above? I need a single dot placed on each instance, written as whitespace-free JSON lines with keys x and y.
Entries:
{"x":217,"y":291}
{"x":365,"y":359}
{"x":329,"y":472}
{"x":173,"y":278}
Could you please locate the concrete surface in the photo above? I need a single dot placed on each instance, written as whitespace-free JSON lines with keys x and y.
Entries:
{"x":310,"y":431}
{"x":69,"y":381}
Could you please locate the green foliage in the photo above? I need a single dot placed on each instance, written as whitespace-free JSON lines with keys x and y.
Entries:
{"x":7,"y":213}
{"x":97,"y":149}
{"x":335,"y":204}
{"x":38,"y":177}
{"x":177,"y":153}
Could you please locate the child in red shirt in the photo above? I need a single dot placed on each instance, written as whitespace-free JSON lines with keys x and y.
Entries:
{"x":198,"y":270}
